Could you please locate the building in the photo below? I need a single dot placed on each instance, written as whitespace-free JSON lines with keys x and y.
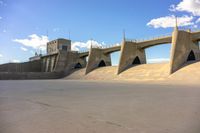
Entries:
{"x":58,"y":44}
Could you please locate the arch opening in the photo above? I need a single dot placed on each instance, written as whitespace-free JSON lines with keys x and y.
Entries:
{"x":102,"y":64}
{"x":115,"y":57}
{"x":191,"y":56}
{"x":158,"y":54}
{"x":136,"y":61}
{"x":77,"y":66}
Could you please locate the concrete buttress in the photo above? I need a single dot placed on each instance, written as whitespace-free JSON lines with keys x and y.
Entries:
{"x":183,"y":49}
{"x":131,"y":54}
{"x":96,"y":59}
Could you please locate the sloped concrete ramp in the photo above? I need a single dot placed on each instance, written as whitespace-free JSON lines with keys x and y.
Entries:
{"x":190,"y":72}
{"x":140,"y":72}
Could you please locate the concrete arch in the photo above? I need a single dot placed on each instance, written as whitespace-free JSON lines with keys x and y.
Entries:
{"x":156,"y":45}
{"x":77,"y":66}
{"x":191,"y":56}
{"x":136,"y":61}
{"x":102,"y":63}
{"x":154,"y":42}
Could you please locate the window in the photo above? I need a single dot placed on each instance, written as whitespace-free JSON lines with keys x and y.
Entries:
{"x":64,"y":47}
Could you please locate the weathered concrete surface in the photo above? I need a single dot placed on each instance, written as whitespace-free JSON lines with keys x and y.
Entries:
{"x":68,"y":60}
{"x":61,"y":61}
{"x":154,"y":42}
{"x":96,"y":55}
{"x":182,"y":46}
{"x":130,"y":51}
{"x":111,"y":49}
{"x":143,"y":72}
{"x":32,"y":66}
{"x":72,"y":60}
{"x":29,"y":75}
{"x":57,"y":106}
{"x":49,"y":62}
{"x":188,"y":73}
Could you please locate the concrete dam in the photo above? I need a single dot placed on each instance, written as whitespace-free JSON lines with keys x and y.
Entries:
{"x":61,"y":62}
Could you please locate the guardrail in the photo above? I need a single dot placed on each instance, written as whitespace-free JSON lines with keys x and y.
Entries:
{"x":148,"y":39}
{"x":101,"y":47}
{"x":191,"y":30}
{"x":110,"y":46}
{"x":195,"y":30}
{"x":83,"y":51}
{"x":140,"y":40}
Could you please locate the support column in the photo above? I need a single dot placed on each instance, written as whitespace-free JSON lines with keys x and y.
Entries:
{"x":53,"y":59}
{"x":96,"y":59}
{"x":61,"y":61}
{"x":131,"y":55}
{"x":183,"y":49}
{"x":44,"y":64}
{"x":47,"y":64}
{"x":67,"y":61}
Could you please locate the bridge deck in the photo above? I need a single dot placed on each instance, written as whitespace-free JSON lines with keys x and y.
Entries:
{"x":146,"y":43}
{"x":153,"y":42}
{"x":84,"y":54}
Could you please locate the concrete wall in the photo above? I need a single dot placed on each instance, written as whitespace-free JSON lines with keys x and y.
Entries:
{"x":49,"y":63}
{"x":96,"y":55}
{"x":32,"y":66}
{"x":182,"y":45}
{"x":129,"y":52}
{"x":63,"y":61}
{"x":29,"y":75}
{"x":72,"y":59}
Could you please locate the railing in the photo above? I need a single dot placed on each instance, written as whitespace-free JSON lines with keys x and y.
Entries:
{"x":83,"y":51}
{"x":195,"y":30}
{"x":187,"y":29}
{"x":101,"y":47}
{"x":110,"y":46}
{"x":148,"y":39}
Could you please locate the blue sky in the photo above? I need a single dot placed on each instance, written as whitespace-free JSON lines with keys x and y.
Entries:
{"x":25,"y":24}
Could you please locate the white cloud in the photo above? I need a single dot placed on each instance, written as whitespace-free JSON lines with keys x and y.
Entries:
{"x":1,"y":55}
{"x":34,"y":41}
{"x":0,"y":18}
{"x":15,"y":61}
{"x":4,"y":31}
{"x":23,"y":49}
{"x":169,"y":21}
{"x":191,"y":6}
{"x":158,"y":60}
{"x":77,"y":46}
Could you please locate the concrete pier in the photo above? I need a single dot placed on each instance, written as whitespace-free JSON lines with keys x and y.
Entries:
{"x":131,"y":55}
